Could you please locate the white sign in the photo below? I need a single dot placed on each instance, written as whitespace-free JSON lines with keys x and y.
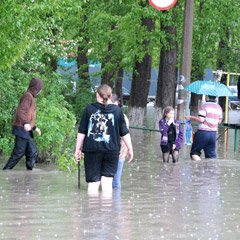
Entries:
{"x":162,"y":4}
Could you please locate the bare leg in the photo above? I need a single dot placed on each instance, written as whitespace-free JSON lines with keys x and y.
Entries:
{"x":175,"y":156}
{"x":195,"y":157}
{"x":106,"y":184}
{"x":93,"y":187}
{"x":166,"y":157}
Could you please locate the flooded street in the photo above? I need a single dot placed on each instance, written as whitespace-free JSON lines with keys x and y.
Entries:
{"x":187,"y":200}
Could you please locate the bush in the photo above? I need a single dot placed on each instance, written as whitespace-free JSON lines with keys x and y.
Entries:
{"x":10,"y":91}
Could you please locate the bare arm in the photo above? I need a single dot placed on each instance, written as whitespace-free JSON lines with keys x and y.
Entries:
{"x":128,"y":142}
{"x":79,"y":143}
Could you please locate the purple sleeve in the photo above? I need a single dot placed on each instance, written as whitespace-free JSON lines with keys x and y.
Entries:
{"x":163,"y":127}
{"x":179,"y":139}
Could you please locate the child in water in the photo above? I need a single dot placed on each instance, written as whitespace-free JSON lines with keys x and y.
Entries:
{"x":172,"y":135}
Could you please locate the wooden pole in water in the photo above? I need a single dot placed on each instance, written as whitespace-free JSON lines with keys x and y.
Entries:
{"x":78,"y":174}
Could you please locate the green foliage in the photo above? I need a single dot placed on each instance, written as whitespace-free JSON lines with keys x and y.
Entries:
{"x":14,"y":30}
{"x":56,"y":122}
{"x":85,"y":95}
{"x":67,"y":163}
{"x":215,"y":23}
{"x":10,"y":91}
{"x":33,"y":34}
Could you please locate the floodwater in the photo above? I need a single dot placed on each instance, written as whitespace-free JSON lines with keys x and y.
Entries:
{"x":187,"y":200}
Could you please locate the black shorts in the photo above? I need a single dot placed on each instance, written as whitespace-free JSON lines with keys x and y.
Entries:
{"x":168,"y":148}
{"x":100,"y":164}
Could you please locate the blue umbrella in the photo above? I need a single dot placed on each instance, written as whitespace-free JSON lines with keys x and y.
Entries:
{"x":208,"y":87}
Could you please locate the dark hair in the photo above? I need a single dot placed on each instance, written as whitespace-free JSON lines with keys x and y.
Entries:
{"x":114,"y":98}
{"x":212,"y":97}
{"x":167,"y":110}
{"x":104,"y":92}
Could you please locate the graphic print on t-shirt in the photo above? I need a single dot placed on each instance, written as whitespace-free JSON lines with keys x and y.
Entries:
{"x":99,"y":126}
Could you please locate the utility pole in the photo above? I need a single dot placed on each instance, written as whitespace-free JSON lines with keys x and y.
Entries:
{"x":186,"y":61}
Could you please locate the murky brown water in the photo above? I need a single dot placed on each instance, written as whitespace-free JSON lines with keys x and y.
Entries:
{"x":187,"y":200}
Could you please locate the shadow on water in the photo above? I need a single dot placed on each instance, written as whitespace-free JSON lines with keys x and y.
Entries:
{"x":187,"y":200}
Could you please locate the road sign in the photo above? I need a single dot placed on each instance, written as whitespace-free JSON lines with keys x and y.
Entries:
{"x":162,"y":4}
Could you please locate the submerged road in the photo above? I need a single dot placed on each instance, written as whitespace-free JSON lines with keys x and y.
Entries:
{"x":187,"y":200}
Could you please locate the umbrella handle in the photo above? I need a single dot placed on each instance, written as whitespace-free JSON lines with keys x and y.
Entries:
{"x":78,"y":174}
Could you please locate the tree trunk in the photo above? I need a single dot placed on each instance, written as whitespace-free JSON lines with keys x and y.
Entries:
{"x":196,"y":99}
{"x":118,"y":85}
{"x":83,"y":95}
{"x":220,"y":65}
{"x":82,"y":64}
{"x":140,"y":83}
{"x":49,"y":59}
{"x":108,"y":71}
{"x":82,"y":59}
{"x":195,"y":102}
{"x":107,"y":75}
{"x":167,"y":75}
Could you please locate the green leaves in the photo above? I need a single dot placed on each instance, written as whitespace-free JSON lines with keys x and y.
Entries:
{"x":213,"y":23}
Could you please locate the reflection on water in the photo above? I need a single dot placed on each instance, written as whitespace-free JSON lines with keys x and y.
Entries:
{"x":187,"y":200}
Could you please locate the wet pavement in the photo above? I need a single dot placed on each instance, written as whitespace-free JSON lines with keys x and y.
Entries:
{"x":187,"y":200}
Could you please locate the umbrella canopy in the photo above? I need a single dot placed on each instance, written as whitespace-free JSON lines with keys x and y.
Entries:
{"x":208,"y":87}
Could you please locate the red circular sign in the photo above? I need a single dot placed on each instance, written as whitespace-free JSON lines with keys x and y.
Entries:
{"x":162,"y":4}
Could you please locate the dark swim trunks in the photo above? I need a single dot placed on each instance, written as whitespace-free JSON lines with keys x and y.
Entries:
{"x":100,"y":164}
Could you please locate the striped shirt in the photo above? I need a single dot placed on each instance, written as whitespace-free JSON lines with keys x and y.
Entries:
{"x":212,"y":112}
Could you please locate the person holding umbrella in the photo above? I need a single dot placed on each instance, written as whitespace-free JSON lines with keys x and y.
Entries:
{"x":209,"y":116}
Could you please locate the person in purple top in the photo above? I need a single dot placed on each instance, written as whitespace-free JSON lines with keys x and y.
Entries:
{"x":171,"y":135}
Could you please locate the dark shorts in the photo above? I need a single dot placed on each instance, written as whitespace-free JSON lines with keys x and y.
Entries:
{"x":167,"y":148}
{"x":206,"y":141}
{"x":100,"y":164}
